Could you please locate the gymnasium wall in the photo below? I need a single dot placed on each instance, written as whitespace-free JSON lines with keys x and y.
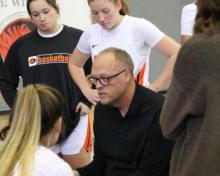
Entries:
{"x":165,"y":14}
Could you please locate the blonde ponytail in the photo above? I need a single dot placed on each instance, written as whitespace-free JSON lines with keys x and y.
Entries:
{"x":18,"y":149}
{"x":36,"y":110}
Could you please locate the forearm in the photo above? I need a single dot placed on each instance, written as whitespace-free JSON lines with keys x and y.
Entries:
{"x":78,"y":75}
{"x":166,"y":75}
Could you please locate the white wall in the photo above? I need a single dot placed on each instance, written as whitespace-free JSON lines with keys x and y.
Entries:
{"x":75,"y":13}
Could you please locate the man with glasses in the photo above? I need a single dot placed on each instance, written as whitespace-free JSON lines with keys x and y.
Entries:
{"x":128,"y":138}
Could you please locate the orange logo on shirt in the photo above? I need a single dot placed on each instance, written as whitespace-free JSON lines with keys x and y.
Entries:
{"x":49,"y":59}
{"x":32,"y":60}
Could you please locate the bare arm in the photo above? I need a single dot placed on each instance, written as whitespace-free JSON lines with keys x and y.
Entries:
{"x":75,"y":65}
{"x":169,"y":48}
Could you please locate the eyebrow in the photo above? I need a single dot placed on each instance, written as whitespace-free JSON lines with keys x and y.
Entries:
{"x":100,"y":76}
{"x":46,"y":8}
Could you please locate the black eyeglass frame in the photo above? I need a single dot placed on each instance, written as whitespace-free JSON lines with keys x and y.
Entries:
{"x":104,"y":81}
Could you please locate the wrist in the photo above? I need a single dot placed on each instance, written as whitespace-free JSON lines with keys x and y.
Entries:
{"x":86,"y":89}
{"x":154,"y":87}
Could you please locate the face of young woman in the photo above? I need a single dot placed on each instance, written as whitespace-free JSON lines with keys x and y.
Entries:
{"x":106,"y":13}
{"x":44,"y":16}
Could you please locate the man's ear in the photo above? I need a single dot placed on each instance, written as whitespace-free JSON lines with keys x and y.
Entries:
{"x":127,"y":75}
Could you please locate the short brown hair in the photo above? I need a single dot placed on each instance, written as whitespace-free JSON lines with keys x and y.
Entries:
{"x":122,"y":56}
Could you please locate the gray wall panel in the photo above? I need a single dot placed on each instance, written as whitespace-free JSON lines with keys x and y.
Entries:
{"x":165,"y":14}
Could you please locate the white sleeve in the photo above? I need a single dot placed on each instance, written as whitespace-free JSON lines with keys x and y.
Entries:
{"x":48,"y":163}
{"x":84,"y":42}
{"x":187,"y":20}
{"x":64,"y":170}
{"x":148,"y":32}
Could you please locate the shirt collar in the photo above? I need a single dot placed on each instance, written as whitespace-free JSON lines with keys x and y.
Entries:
{"x":135,"y":105}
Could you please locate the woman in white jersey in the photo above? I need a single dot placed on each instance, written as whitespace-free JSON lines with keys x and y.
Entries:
{"x":116,"y":29}
{"x":188,"y":16}
{"x":34,"y":126}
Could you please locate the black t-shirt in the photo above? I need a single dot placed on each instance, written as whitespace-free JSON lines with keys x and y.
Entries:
{"x":43,"y":60}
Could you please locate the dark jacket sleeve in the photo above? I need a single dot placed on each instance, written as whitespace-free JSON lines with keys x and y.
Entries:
{"x":9,"y":76}
{"x":157,"y":153}
{"x":174,"y":111}
{"x":186,"y":95}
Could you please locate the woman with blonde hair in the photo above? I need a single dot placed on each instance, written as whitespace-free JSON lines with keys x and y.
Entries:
{"x":34,"y":125}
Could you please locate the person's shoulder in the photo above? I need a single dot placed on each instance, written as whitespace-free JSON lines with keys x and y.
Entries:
{"x":48,"y":162}
{"x":137,"y":20}
{"x":44,"y":154}
{"x":27,"y":36}
{"x":93,"y":29}
{"x":189,"y":7}
{"x":72,"y":30}
{"x":194,"y":46}
{"x":142,"y":24}
{"x":192,"y":57}
{"x":23,"y":39}
{"x":150,"y":97}
{"x":203,"y":43}
{"x":198,"y":41}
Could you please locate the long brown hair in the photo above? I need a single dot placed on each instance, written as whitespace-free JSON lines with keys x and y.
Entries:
{"x":207,"y":16}
{"x":124,"y":7}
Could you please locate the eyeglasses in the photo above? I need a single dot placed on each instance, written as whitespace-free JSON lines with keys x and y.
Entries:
{"x":104,"y":81}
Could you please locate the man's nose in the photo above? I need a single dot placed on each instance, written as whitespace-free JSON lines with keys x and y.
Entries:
{"x":98,"y":84}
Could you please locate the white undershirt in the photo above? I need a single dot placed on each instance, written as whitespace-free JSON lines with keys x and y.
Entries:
{"x":50,"y":35}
